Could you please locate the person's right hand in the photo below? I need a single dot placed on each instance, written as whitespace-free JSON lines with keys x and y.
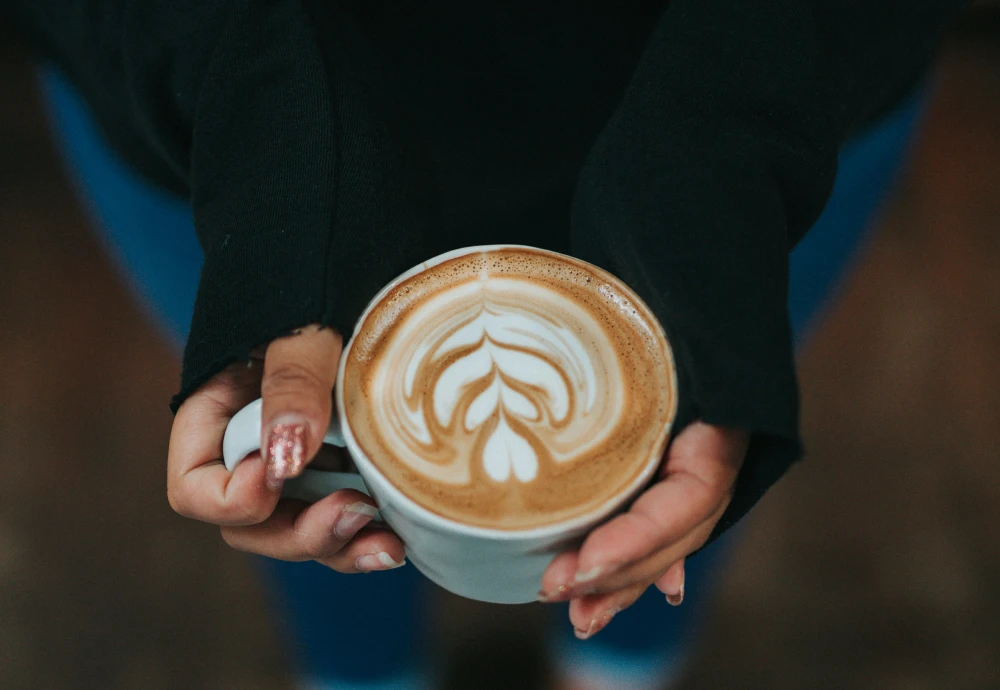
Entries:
{"x":296,"y":384}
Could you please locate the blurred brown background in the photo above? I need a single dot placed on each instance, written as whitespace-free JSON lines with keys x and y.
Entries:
{"x":874,"y":564}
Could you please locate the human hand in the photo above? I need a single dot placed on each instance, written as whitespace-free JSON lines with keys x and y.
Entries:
{"x":294,"y":377}
{"x":648,"y":544}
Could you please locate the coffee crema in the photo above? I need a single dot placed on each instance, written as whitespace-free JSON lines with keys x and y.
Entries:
{"x":510,"y":388}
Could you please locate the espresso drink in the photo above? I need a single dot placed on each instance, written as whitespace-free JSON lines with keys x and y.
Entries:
{"x":510,"y":388}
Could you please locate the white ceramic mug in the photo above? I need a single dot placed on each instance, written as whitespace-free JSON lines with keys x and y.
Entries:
{"x":493,"y":565}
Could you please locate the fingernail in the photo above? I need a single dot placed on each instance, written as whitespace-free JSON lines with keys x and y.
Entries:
{"x":676,"y":599}
{"x":286,"y":452}
{"x":377,"y":561}
{"x":589,"y":575}
{"x":584,"y":634}
{"x":598,"y":623}
{"x":353,"y":518}
{"x":561,"y":594}
{"x":273,"y":483}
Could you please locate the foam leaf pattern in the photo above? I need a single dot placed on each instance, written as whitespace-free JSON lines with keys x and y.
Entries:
{"x":506,"y":450}
{"x":501,"y":375}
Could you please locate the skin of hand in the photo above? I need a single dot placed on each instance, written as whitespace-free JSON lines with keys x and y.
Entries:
{"x":294,"y":375}
{"x":616,"y":563}
{"x":648,"y":544}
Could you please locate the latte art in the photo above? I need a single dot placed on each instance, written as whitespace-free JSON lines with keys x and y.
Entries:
{"x":497,"y":375}
{"x":509,"y":389}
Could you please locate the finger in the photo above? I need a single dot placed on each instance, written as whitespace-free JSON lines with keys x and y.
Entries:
{"x":198,"y":484}
{"x":557,"y":577}
{"x":700,"y":472}
{"x":590,"y":615}
{"x":375,"y":548}
{"x":298,"y":531}
{"x":630,"y":548}
{"x":662,"y":517}
{"x":700,"y":440}
{"x":652,"y":566}
{"x":671,"y":583}
{"x":646,"y":570}
{"x":299,"y":373}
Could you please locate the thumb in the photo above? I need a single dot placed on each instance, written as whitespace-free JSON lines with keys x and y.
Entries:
{"x":299,"y":373}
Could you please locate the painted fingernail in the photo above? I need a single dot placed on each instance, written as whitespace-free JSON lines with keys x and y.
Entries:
{"x":589,"y":575}
{"x":377,"y":561}
{"x":353,"y":518}
{"x":676,"y":599}
{"x":286,"y":452}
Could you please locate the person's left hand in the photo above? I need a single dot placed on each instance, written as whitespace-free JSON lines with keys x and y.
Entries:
{"x":648,"y":544}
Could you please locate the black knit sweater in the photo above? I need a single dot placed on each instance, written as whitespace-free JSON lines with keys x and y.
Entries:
{"x":326,"y":147}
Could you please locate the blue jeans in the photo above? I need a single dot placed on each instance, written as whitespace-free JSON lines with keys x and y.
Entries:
{"x":335,"y":620}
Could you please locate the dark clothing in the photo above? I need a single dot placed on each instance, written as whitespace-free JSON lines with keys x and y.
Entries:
{"x":325,"y":149}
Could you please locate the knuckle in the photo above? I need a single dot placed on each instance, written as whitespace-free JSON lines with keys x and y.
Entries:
{"x":647,"y":528}
{"x":178,"y":500}
{"x":292,"y":378}
{"x":245,"y":512}
{"x":317,"y":550}
{"x":707,"y":490}
{"x":232,"y":539}
{"x":337,"y":563}
{"x":720,"y":481}
{"x":316,"y":546}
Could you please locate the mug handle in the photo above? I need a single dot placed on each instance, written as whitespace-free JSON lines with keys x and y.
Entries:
{"x":243,"y":437}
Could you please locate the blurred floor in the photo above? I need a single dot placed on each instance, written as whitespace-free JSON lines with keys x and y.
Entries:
{"x":875,"y":564}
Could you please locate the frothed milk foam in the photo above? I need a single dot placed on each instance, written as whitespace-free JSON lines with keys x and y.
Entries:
{"x":510,"y":389}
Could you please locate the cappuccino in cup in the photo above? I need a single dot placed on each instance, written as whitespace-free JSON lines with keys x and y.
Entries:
{"x":499,"y":402}
{"x":509,"y":389}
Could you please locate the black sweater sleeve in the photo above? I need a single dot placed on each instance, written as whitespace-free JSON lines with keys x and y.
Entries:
{"x":305,"y":199}
{"x":308,"y":195}
{"x":718,"y":159}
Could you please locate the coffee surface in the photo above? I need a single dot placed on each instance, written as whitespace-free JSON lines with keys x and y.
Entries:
{"x":511,"y":388}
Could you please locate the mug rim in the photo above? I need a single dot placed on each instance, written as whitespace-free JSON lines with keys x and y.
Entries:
{"x":442,"y":523}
